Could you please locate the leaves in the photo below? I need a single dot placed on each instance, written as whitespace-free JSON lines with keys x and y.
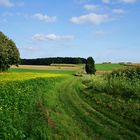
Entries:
{"x":9,"y":54}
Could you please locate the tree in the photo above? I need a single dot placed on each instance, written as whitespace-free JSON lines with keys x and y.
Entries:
{"x":90,"y":66}
{"x":9,"y":54}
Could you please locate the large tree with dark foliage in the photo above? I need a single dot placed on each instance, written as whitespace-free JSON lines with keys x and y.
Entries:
{"x":9,"y":54}
{"x":90,"y":66}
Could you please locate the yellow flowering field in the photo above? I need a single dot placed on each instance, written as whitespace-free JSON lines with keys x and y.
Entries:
{"x":25,"y":76}
{"x":21,"y":96}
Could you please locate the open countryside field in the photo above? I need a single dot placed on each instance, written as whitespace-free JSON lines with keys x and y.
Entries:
{"x":41,"y":104}
{"x":68,"y":68}
{"x":108,"y":67}
{"x":51,"y":67}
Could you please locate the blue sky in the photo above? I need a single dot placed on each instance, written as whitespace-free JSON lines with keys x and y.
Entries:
{"x":108,"y":30}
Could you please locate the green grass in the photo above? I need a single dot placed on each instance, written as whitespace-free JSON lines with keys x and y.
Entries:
{"x":20,"y":70}
{"x":68,"y":107}
{"x":108,"y":67}
{"x":118,"y":100}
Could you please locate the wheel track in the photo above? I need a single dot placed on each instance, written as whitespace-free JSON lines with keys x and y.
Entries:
{"x":97,"y":125}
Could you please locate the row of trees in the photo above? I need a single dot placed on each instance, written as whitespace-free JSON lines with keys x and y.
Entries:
{"x":9,"y":54}
{"x":53,"y":60}
{"x":89,"y":67}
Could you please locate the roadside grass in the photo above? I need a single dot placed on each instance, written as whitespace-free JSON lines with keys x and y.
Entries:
{"x":118,"y":100}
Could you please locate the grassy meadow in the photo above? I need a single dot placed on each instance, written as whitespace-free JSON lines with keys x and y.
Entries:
{"x":108,"y":67}
{"x":52,"y":104}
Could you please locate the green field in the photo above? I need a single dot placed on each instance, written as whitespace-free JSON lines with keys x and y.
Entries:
{"x":55,"y":105}
{"x":21,"y":70}
{"x":108,"y":67}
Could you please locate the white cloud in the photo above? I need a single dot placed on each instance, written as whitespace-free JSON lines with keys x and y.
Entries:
{"x":91,"y":7}
{"x":81,"y":1}
{"x":39,"y":37}
{"x":90,"y":18}
{"x":52,"y":37}
{"x":118,"y":11}
{"x":120,"y":1}
{"x":44,"y":17}
{"x":6,"y":3}
{"x":128,"y":1}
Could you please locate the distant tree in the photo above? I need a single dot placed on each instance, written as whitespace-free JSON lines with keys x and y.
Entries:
{"x":9,"y":54}
{"x":90,"y":66}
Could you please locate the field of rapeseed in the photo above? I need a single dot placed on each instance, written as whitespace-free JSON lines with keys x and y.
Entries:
{"x":21,"y":97}
{"x":25,"y":76}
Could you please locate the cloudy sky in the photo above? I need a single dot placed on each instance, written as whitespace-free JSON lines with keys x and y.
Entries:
{"x":108,"y":30}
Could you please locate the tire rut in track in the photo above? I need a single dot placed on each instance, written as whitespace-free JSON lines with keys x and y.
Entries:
{"x":92,"y":122}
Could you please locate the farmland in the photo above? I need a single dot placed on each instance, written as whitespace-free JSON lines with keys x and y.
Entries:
{"x":108,"y":67}
{"x":41,"y":104}
{"x":69,"y":70}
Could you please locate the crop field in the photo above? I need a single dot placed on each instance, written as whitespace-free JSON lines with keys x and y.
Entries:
{"x":65,"y":68}
{"x":25,"y":76}
{"x":70,"y":67}
{"x":108,"y":67}
{"x":45,"y":104}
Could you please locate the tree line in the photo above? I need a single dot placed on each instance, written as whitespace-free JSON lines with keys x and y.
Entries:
{"x":53,"y":60}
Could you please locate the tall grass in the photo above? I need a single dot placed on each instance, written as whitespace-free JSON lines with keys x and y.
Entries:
{"x":117,"y":95}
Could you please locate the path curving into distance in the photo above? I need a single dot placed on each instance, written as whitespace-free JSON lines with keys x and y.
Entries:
{"x":74,"y":118}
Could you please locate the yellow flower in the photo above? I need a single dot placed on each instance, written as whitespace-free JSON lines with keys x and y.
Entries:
{"x":25,"y":76}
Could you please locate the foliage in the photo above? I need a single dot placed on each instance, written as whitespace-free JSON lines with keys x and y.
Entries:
{"x":9,"y":54}
{"x":131,"y":73}
{"x":53,"y":60}
{"x":90,"y":66}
